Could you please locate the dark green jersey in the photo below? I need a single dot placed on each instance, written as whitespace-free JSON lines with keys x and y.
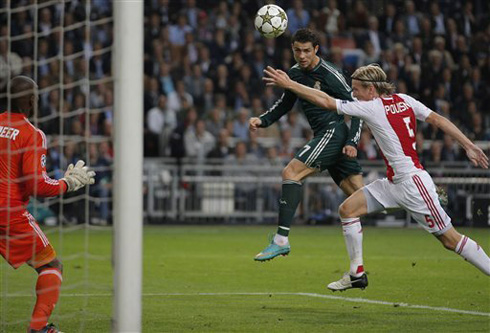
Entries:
{"x":326,"y":78}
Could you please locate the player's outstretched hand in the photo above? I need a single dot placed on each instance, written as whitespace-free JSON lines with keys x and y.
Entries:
{"x":276,"y":77}
{"x":350,"y":151}
{"x":77,"y":176}
{"x":477,"y":156}
{"x":254,"y":123}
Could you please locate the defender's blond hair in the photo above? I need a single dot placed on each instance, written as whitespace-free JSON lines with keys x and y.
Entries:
{"x":375,"y":75}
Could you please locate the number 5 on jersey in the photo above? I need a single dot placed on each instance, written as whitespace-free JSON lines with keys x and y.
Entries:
{"x":411,"y":133}
{"x":430,"y":221}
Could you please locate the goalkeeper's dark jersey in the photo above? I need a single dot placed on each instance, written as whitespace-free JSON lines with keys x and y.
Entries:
{"x":326,"y":78}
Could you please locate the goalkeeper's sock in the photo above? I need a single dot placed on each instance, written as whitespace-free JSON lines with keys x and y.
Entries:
{"x":352,"y":230}
{"x":290,"y":198}
{"x":47,"y":291}
{"x":472,"y":252}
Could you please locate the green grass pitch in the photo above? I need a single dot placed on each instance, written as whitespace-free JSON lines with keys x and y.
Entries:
{"x":204,"y":279}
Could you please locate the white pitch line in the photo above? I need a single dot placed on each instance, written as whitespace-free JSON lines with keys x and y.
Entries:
{"x":363,"y":300}
{"x":339,"y":298}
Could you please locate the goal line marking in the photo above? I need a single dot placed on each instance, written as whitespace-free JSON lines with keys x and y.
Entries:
{"x":314,"y":295}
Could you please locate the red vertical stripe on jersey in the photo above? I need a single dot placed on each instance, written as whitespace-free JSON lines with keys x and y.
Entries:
{"x":389,"y":169}
{"x":395,"y":118}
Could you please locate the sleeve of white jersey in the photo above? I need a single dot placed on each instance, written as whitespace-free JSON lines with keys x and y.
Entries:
{"x":354,"y":108}
{"x":421,"y":111}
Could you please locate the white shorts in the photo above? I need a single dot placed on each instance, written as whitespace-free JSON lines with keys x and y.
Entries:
{"x":417,"y":195}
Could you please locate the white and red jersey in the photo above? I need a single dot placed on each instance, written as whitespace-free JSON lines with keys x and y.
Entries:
{"x":22,"y":165}
{"x":393,"y":122}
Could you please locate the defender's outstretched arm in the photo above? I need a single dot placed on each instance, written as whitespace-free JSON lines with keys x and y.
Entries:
{"x":474,"y":153}
{"x":276,"y":77}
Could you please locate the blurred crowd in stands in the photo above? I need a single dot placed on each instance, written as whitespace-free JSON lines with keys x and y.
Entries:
{"x":54,"y":56}
{"x":203,"y":69}
{"x":204,"y":63}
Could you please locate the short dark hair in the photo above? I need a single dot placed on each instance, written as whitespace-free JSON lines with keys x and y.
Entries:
{"x":305,"y":35}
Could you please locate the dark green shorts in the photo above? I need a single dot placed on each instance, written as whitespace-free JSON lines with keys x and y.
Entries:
{"x":324,"y":152}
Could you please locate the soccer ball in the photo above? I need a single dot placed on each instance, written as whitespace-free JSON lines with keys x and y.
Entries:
{"x":271,"y":21}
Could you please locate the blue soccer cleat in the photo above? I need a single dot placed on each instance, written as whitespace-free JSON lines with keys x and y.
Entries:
{"x":272,"y":251}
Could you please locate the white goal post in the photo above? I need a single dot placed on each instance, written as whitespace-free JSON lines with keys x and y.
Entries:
{"x":128,"y":162}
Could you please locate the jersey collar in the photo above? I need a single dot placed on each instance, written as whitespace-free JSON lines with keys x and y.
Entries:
{"x":14,"y":115}
{"x":317,"y":65}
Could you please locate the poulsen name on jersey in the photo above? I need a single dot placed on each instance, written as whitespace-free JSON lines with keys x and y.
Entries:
{"x":396,"y":108}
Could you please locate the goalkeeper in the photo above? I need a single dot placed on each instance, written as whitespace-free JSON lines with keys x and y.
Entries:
{"x":22,"y":174}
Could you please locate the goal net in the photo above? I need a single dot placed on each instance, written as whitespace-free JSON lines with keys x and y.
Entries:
{"x":65,"y":46}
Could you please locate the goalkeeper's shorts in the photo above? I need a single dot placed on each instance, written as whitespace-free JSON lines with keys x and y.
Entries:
{"x":22,"y":241}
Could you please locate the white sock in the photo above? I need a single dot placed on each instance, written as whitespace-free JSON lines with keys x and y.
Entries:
{"x":472,"y":252}
{"x":352,"y":230}
{"x":281,"y":240}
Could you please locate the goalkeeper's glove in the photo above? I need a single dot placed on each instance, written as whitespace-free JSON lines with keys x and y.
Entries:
{"x":78,"y":176}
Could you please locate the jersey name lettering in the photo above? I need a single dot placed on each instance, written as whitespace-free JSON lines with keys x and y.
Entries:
{"x":396,"y":107}
{"x":8,"y":132}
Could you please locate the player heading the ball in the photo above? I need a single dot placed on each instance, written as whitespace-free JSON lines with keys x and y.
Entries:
{"x":334,"y":143}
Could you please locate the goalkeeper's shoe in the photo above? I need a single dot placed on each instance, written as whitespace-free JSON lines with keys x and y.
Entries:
{"x":348,"y":281}
{"x":50,"y":328}
{"x":272,"y":251}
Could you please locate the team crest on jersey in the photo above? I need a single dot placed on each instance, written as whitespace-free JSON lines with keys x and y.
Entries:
{"x":317,"y":85}
{"x":43,"y":160}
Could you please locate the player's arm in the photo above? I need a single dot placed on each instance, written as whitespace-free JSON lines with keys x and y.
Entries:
{"x":36,"y":177}
{"x":280,"y":108}
{"x":423,"y":113}
{"x":276,"y":77}
{"x":360,"y":109}
{"x":474,"y":153}
{"x":355,"y":128}
{"x":353,"y":137}
{"x":343,"y":91}
{"x":354,"y":132}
